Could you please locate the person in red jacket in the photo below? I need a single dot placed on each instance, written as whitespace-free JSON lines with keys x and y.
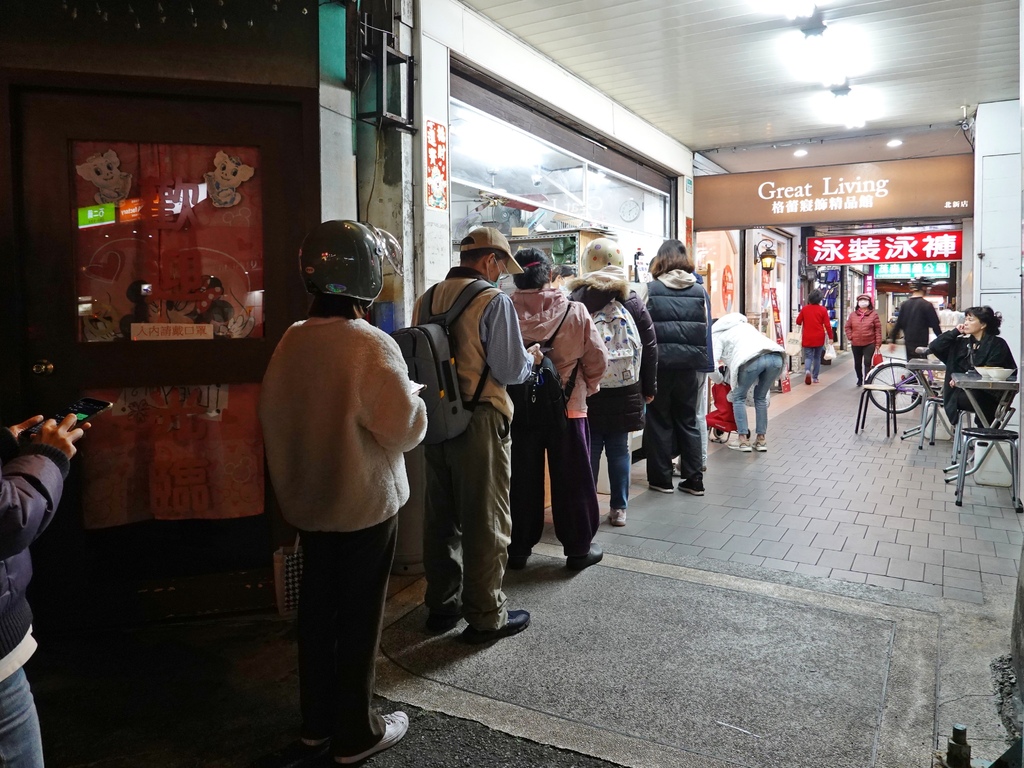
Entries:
{"x":817,"y":326}
{"x":864,"y":330}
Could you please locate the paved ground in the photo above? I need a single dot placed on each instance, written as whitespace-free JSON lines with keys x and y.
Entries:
{"x":824,"y":604}
{"x":826,"y":502}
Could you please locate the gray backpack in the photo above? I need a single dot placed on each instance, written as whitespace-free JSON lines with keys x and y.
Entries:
{"x":427,"y":350}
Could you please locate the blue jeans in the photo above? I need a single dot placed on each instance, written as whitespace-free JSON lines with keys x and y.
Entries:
{"x":616,"y":446}
{"x":21,"y":745}
{"x":758,"y":373}
{"x":812,"y":361}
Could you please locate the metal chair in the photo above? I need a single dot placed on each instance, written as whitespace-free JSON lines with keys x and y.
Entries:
{"x":890,"y":407}
{"x":971,"y":436}
{"x":929,"y":412}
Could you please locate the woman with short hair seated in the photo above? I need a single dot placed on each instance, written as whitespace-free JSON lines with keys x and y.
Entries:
{"x":975,"y":342}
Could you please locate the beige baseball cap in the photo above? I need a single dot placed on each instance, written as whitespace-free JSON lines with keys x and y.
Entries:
{"x":489,"y":237}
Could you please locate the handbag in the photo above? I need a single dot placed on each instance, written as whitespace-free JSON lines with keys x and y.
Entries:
{"x":288,"y":577}
{"x":876,"y":359}
{"x":830,"y":351}
{"x":794,"y":342}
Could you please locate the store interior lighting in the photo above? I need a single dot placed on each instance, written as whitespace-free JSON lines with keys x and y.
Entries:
{"x":893,"y":143}
{"x":800,"y":153}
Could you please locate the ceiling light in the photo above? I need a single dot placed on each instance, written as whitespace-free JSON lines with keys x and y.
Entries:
{"x":791,"y":9}
{"x":894,"y":143}
{"x":800,"y":153}
{"x":829,"y":56}
{"x":851,"y":107}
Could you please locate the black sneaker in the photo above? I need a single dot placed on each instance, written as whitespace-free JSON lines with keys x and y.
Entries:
{"x":517,"y":622}
{"x":693,"y":486}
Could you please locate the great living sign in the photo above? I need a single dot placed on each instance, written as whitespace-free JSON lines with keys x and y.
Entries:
{"x":937,"y":187}
{"x":886,"y":249}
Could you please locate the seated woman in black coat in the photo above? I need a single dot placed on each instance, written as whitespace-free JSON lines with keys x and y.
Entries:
{"x":975,"y":342}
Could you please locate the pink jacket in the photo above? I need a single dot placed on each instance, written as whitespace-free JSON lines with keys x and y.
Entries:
{"x":540,"y":311}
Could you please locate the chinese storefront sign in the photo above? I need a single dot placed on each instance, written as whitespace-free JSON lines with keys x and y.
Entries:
{"x":437,"y":166}
{"x":880,"y":249}
{"x":163,"y":240}
{"x":171,"y":331}
{"x":174,"y":453}
{"x":869,"y":282}
{"x":897,"y":189}
{"x":912,"y":269}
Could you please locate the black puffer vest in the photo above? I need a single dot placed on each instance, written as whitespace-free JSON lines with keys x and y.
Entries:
{"x":681,"y":324}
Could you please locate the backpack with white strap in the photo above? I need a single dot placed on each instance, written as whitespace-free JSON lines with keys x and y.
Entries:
{"x":622,"y":339}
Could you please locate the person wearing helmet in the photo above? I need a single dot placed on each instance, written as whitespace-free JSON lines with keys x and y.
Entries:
{"x":916,"y":317}
{"x":467,"y":524}
{"x":338,"y":411}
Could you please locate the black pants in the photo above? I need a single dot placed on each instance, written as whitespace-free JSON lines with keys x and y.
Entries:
{"x":862,"y":361}
{"x":673,"y":415}
{"x":341,"y":611}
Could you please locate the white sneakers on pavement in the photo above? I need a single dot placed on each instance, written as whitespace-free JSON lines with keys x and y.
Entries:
{"x":617,"y":517}
{"x":397,"y":725}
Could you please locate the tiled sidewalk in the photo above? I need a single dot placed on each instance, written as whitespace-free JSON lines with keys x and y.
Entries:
{"x":826,"y":502}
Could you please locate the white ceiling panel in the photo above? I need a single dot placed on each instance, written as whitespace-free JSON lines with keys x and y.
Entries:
{"x":710,"y":73}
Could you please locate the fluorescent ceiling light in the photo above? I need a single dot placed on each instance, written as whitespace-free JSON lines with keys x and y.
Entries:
{"x":852,"y":109}
{"x":894,"y":143}
{"x":791,"y":9}
{"x":800,"y":153}
{"x":832,"y":57}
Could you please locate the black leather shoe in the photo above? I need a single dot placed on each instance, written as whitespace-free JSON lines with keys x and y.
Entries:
{"x":517,"y":562}
{"x":579,"y":562}
{"x":517,"y":622}
{"x":441,"y":622}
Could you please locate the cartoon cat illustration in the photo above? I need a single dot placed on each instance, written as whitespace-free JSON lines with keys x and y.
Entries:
{"x":223,"y":181}
{"x":112,"y":186}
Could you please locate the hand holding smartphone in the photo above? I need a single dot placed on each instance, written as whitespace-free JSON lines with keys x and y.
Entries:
{"x":84,"y":409}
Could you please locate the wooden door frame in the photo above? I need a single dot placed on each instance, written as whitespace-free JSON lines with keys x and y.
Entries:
{"x":15,"y":82}
{"x":292,"y":297}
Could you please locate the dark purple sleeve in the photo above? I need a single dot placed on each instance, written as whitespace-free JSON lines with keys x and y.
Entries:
{"x":30,"y":490}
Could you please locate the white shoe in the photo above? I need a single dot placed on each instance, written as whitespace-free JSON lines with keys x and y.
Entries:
{"x":397,"y":726}
{"x":617,"y":517}
{"x":761,"y":444}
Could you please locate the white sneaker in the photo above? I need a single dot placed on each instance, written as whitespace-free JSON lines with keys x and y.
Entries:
{"x":617,"y":517}
{"x":397,"y":725}
{"x":761,"y":444}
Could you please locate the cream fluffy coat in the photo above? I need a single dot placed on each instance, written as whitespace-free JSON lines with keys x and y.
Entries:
{"x":337,"y":416}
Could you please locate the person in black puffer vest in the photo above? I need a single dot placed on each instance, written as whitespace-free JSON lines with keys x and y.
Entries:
{"x":32,"y":473}
{"x":681,"y":312}
{"x":614,"y":412}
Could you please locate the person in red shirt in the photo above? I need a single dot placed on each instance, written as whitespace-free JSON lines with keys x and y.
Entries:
{"x":817,"y":326}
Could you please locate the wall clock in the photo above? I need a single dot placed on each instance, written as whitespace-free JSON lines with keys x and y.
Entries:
{"x":629,"y":210}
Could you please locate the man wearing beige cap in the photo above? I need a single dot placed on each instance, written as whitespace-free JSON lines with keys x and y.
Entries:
{"x":467,"y":525}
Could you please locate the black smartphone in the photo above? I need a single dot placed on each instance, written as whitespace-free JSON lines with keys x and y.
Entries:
{"x":84,"y":409}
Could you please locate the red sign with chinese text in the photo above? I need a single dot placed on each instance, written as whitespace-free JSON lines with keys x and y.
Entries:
{"x":881,"y":249}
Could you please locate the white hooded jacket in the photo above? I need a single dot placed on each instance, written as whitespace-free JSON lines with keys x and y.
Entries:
{"x":735,"y":341}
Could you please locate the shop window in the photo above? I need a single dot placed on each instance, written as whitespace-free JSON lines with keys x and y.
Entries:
{"x":168,"y":241}
{"x":526,"y":187}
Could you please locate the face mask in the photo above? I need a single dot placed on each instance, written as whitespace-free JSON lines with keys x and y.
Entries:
{"x":862,"y":304}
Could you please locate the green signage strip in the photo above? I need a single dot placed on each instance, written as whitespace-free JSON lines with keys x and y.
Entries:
{"x":97,"y":215}
{"x":912,"y":269}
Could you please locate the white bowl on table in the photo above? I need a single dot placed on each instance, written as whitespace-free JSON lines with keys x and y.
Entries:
{"x":993,"y":373}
